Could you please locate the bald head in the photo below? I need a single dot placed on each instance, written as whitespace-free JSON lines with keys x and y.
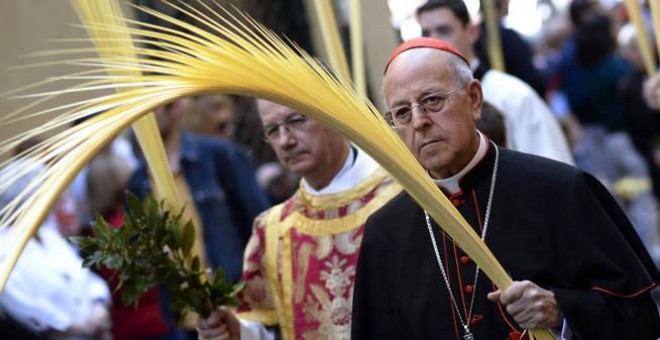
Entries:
{"x":443,"y":65}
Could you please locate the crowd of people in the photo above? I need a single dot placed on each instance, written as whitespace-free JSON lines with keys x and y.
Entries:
{"x":538,"y":159}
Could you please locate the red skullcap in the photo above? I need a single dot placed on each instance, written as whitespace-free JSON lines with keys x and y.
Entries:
{"x":424,"y":42}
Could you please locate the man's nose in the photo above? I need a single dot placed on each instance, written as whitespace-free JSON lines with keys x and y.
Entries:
{"x":419,"y":118}
{"x":286,"y":137}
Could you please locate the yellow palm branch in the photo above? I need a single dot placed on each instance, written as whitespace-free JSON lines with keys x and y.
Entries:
{"x":646,"y":50}
{"x":325,"y":15}
{"x":117,"y":43}
{"x":242,"y":57}
{"x":357,"y":47}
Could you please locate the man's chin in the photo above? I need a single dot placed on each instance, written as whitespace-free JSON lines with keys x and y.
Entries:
{"x":299,"y":167}
{"x":432,"y":151}
{"x":433,"y":164}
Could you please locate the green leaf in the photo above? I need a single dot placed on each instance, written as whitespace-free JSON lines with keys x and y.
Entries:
{"x":87,"y":262}
{"x":195,"y":264}
{"x":127,"y":233}
{"x":135,"y":206}
{"x":113,"y":262}
{"x":188,"y":239}
{"x":219,"y":276}
{"x":129,"y":294}
{"x":150,"y":249}
{"x":101,"y":230}
{"x":237,"y":288}
{"x":230,"y":301}
{"x":164,"y":240}
{"x":82,"y":241}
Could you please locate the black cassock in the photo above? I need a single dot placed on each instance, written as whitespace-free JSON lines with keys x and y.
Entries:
{"x":550,"y":223}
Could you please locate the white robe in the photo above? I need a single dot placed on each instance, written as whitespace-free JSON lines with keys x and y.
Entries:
{"x":530,"y":125}
{"x":49,"y":288}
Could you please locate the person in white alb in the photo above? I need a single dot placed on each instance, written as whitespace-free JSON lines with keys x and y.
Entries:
{"x":300,"y":262}
{"x":49,"y":292}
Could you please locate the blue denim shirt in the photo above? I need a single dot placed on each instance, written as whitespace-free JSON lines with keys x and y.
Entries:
{"x":223,"y":185}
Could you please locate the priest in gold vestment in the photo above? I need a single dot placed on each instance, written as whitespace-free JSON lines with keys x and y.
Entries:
{"x":300,"y":262}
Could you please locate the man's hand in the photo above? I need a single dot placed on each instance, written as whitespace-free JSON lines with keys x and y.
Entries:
{"x":652,"y":92}
{"x":222,"y":324}
{"x":530,"y":305}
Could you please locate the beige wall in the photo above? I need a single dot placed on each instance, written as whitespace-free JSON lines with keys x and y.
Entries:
{"x":26,"y":26}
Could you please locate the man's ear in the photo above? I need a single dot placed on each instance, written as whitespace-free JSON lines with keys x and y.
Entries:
{"x":476,"y":98}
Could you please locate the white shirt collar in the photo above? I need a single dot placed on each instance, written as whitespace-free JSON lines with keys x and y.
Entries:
{"x":357,"y":167}
{"x":451,"y":184}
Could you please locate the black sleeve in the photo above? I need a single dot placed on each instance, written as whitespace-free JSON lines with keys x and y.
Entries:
{"x":373,"y":314}
{"x":595,"y":315}
{"x":616,"y":302}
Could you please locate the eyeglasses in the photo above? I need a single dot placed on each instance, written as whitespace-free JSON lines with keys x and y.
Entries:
{"x":401,"y":116}
{"x":294,"y":122}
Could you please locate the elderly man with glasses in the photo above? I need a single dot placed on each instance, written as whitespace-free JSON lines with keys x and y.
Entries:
{"x":578,"y":265}
{"x":300,"y":262}
{"x":530,"y":125}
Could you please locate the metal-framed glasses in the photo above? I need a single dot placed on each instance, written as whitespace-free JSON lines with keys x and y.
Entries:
{"x":292,"y":123}
{"x":401,"y":116}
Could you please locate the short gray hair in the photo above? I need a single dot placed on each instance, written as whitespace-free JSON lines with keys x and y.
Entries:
{"x":460,"y":69}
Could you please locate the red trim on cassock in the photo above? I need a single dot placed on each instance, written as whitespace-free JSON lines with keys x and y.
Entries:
{"x":626,"y":296}
{"x":504,"y":314}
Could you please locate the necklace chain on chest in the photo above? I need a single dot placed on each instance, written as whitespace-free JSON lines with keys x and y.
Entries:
{"x":466,"y":323}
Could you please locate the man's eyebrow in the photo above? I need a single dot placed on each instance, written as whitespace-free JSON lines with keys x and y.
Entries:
{"x":288,"y":117}
{"x":431,"y":91}
{"x":399,"y":103}
{"x":422,"y":94}
{"x":442,"y":28}
{"x":293,"y":114}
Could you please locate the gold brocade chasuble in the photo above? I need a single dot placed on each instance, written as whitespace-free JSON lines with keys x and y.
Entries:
{"x":300,"y":263}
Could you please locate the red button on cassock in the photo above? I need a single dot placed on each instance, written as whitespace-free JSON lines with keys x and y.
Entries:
{"x":476,"y":319}
{"x":469,"y":289}
{"x":465,"y":260}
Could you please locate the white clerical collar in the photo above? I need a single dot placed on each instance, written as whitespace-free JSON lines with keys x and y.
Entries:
{"x":451,"y":184}
{"x":357,"y":167}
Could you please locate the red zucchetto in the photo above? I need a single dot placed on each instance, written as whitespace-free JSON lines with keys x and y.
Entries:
{"x":424,"y":42}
